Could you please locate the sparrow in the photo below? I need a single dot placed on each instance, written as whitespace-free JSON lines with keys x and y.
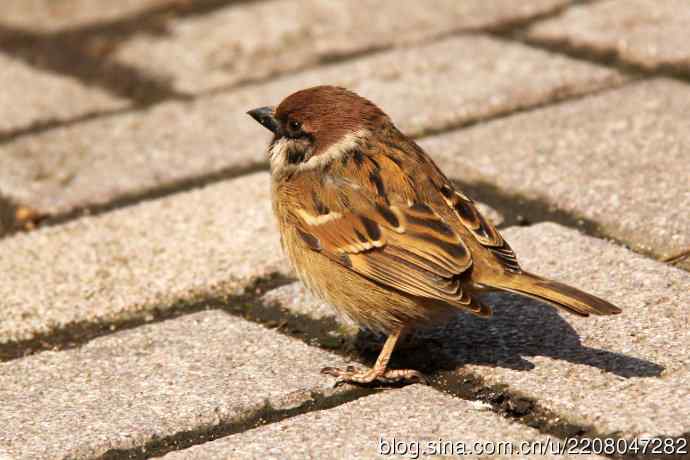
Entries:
{"x":372,"y":226}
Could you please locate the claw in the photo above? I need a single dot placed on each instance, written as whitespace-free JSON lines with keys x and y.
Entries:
{"x":379,"y":372}
{"x":351,"y":375}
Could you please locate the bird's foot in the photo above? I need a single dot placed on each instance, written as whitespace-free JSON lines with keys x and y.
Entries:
{"x":363,"y":377}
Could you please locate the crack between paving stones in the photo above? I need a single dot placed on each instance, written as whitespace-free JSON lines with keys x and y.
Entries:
{"x":70,"y":57}
{"x":37,"y":219}
{"x":677,"y":257}
{"x":556,"y":97}
{"x":82,"y":52}
{"x":523,"y":211}
{"x":159,"y":191}
{"x":517,"y":209}
{"x":559,"y":96}
{"x":520,"y":210}
{"x":327,"y":334}
{"x":47,"y":124}
{"x":125,"y":26}
{"x":264,"y":415}
{"x":79,"y":333}
{"x":527,"y":411}
{"x":466,"y":385}
{"x":118,"y":27}
{"x":606,"y":57}
{"x":334,"y":58}
{"x":155,"y":91}
{"x":145,"y":21}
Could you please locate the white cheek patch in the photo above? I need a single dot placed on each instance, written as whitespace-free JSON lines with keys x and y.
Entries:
{"x":335,"y":151}
{"x":278,"y":153}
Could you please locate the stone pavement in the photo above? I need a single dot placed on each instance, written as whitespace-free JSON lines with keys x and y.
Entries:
{"x":146,"y":309}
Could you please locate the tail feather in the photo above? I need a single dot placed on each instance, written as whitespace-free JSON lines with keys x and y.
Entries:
{"x":558,"y":294}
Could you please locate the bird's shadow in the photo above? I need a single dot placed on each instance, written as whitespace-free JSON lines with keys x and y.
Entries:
{"x":520,"y":327}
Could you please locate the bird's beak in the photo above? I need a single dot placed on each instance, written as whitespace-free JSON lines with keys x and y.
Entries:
{"x":265,"y":117}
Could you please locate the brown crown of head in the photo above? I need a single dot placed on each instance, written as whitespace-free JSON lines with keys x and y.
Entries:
{"x":324,"y":113}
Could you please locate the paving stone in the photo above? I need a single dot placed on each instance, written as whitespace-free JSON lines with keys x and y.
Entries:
{"x":128,"y":263}
{"x":683,"y":262}
{"x":31,"y":97}
{"x":631,"y":370}
{"x":123,"y":391}
{"x":264,"y":38}
{"x":422,"y":88}
{"x":51,"y":15}
{"x":417,"y":415}
{"x":139,"y":261}
{"x":646,"y":33}
{"x":619,"y":159}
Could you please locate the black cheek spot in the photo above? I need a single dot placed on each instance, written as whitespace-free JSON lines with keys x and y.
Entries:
{"x":361,"y":237}
{"x":372,"y":228}
{"x":358,"y":156}
{"x":310,"y":240}
{"x":295,"y":156}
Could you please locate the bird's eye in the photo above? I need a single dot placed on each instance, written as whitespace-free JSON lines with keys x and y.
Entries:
{"x":295,"y":125}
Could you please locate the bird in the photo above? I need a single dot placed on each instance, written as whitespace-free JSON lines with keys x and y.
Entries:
{"x":373,"y":227}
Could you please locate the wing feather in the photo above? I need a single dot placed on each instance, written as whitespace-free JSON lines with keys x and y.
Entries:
{"x":378,"y":222}
{"x":415,"y":252}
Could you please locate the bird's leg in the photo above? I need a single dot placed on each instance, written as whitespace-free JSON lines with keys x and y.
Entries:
{"x":380,"y":371}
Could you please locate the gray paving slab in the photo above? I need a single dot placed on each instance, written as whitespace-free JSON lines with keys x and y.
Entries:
{"x":140,"y":261}
{"x":619,"y":158}
{"x":682,"y":261}
{"x":423,"y":88}
{"x":631,"y":370}
{"x":129,"y":263}
{"x":126,"y":390}
{"x":30,"y":96}
{"x":646,"y":33}
{"x":52,"y":15}
{"x":259,"y":39}
{"x":366,"y":428}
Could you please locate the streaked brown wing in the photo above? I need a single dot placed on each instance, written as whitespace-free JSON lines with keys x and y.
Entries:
{"x":406,"y":247}
{"x":480,"y":228}
{"x":416,"y":163}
